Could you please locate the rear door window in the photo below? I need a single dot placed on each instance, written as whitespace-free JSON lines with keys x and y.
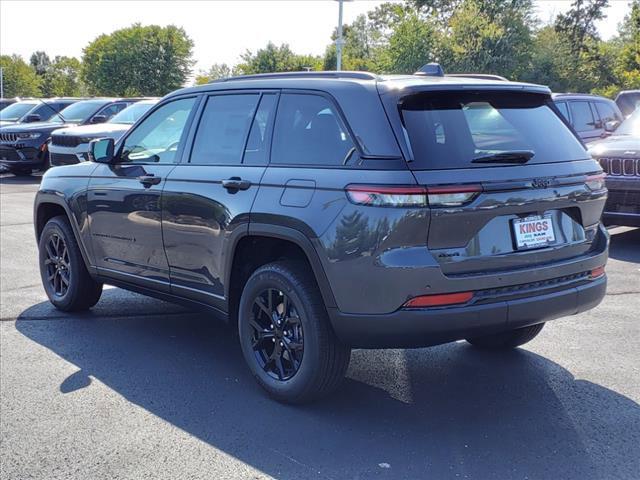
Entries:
{"x":309,"y":131}
{"x":606,"y":111}
{"x":582,"y":116}
{"x":223,"y":129}
{"x":451,"y":129}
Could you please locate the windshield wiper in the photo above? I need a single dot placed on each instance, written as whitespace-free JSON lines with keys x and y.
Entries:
{"x":514,"y":156}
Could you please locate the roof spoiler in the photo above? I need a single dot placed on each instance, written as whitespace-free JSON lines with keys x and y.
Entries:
{"x":431,"y":70}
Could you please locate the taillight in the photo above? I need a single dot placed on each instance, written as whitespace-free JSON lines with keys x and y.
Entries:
{"x":387,"y":196}
{"x":452,"y":195}
{"x":597,"y":272}
{"x":398,"y":196}
{"x":596,"y":182}
{"x":439,"y":300}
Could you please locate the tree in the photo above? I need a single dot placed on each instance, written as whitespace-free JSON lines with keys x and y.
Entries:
{"x":40,"y":62}
{"x":489,"y":37}
{"x":628,"y":65}
{"x":411,"y":45}
{"x":277,"y":59}
{"x":217,"y":70}
{"x":19,"y":79}
{"x":358,"y":49}
{"x":62,"y":78}
{"x":138,"y":60}
{"x":578,"y":24}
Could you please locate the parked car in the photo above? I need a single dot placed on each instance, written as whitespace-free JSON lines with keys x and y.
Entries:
{"x":23,"y":147}
{"x":5,"y":102}
{"x":619,"y":156}
{"x":324,"y":211}
{"x":34,"y":110}
{"x":628,"y":101}
{"x":71,"y":144}
{"x":591,"y":116}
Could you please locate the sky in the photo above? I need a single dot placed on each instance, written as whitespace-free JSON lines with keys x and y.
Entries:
{"x":221,"y":30}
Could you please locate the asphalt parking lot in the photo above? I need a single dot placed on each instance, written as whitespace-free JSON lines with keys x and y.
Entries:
{"x":141,"y":389}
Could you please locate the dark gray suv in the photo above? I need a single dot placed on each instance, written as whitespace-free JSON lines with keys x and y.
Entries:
{"x":327,"y":211}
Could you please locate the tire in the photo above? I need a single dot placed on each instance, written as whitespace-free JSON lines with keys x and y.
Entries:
{"x":507,"y":340}
{"x":80,"y":291}
{"x":302,"y":374}
{"x":21,"y":172}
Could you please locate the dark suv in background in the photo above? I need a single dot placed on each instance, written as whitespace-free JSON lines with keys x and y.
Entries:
{"x":591,"y":116}
{"x":326,"y":211}
{"x":36,"y":110}
{"x":23,"y":147}
{"x":619,"y":156}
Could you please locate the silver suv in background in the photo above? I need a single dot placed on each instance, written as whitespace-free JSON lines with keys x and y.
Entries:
{"x":591,"y":116}
{"x":70,"y":145}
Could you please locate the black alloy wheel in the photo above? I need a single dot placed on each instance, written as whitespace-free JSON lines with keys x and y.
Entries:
{"x":276,"y":334}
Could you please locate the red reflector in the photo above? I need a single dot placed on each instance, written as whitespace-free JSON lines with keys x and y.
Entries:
{"x":439,"y":300}
{"x":597,"y":272}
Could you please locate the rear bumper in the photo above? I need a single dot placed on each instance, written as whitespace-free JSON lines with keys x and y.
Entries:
{"x":433,"y":326}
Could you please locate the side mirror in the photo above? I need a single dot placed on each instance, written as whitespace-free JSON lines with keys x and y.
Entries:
{"x":101,"y":150}
{"x":611,"y":125}
{"x":99,"y":119}
{"x":33,"y":117}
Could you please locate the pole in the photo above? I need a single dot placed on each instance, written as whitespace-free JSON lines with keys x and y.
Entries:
{"x":1,"y":84}
{"x":339,"y":41}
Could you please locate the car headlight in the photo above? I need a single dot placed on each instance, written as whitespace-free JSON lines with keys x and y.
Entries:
{"x":28,"y":135}
{"x":85,"y":139}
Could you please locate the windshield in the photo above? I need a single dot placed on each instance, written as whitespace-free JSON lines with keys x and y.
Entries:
{"x":631,"y":126}
{"x":78,"y":112}
{"x":15,"y":112}
{"x":451,"y":129}
{"x":131,"y":114}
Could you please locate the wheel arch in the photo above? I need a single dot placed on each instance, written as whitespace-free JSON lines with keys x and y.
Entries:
{"x":48,"y":206}
{"x":279,"y":236}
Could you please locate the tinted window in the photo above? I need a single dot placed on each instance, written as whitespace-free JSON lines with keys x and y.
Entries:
{"x":450,"y":129}
{"x":110,"y":110}
{"x":16,"y":111}
{"x":606,"y":111}
{"x":562,"y":106}
{"x":257,"y":149}
{"x":78,"y":112}
{"x":132,"y":113}
{"x":582,"y":116}
{"x":45,"y":111}
{"x":156,"y":139}
{"x":308,"y":131}
{"x":223,"y":129}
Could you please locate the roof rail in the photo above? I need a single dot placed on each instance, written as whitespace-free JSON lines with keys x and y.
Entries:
{"x":480,"y":76}
{"x":322,"y":74}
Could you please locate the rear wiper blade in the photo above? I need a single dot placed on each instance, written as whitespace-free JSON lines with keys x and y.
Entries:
{"x":514,"y":156}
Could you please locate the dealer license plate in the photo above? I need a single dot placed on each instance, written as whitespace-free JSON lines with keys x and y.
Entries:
{"x":533,"y":232}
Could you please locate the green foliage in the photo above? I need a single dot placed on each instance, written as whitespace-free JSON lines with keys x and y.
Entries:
{"x":40,"y":62}
{"x":62,"y":78}
{"x":138,"y":60}
{"x":277,"y":59}
{"x":19,"y":79}
{"x":217,"y":70}
{"x":410,"y":46}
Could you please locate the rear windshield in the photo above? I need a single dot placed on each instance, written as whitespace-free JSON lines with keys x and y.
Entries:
{"x":451,"y":129}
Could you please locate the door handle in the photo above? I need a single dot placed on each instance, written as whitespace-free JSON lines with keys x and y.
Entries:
{"x":148,"y":180}
{"x":236,"y":183}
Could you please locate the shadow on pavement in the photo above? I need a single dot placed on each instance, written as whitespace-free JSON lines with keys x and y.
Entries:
{"x":448,"y":411}
{"x":625,"y":246}
{"x":11,"y":179}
